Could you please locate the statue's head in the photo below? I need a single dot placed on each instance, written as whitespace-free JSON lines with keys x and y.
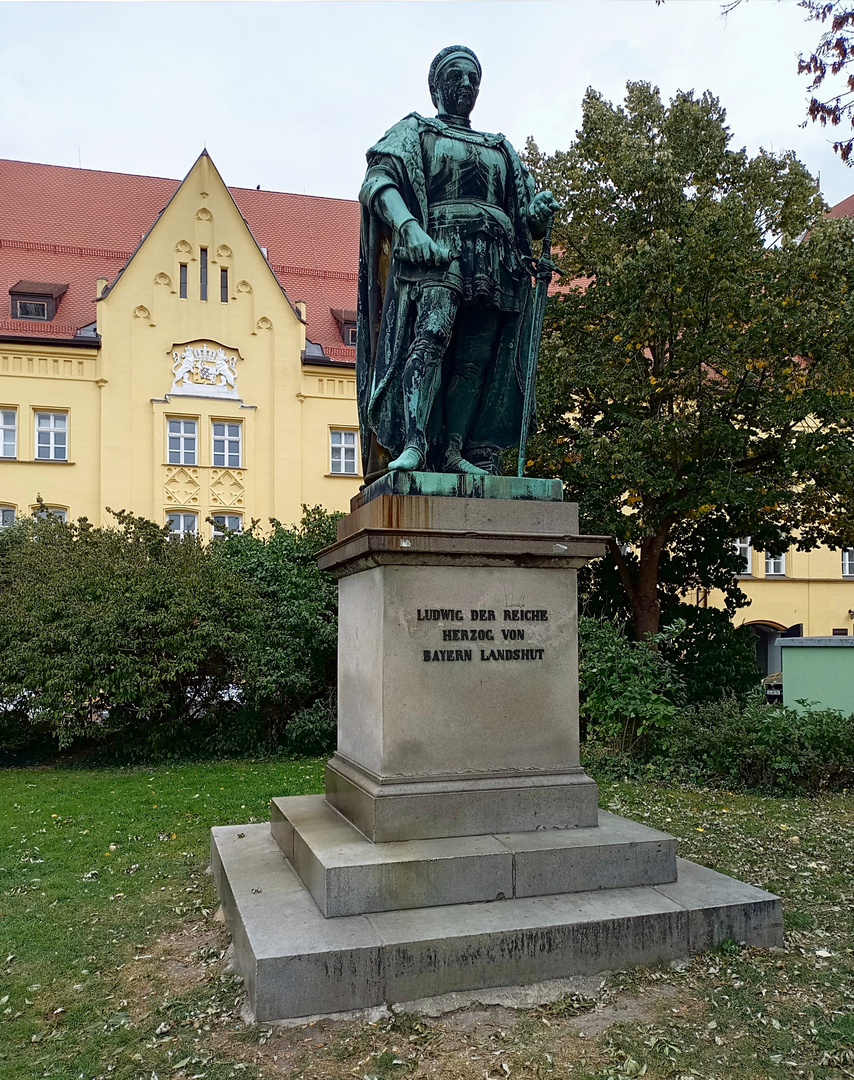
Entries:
{"x":454,"y":80}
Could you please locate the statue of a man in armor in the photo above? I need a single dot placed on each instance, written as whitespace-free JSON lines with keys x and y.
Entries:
{"x":448,"y":216}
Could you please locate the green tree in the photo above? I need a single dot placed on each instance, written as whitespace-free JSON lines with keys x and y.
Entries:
{"x":289,"y":656}
{"x":695,"y":384}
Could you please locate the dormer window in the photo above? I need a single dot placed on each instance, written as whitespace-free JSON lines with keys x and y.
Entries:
{"x":36,"y":301}
{"x":346,"y":324}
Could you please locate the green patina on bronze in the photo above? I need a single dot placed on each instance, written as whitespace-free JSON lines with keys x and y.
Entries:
{"x":445,"y":334}
{"x":464,"y":485}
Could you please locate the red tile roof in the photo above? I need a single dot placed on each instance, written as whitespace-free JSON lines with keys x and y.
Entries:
{"x":844,"y":208}
{"x":76,"y":225}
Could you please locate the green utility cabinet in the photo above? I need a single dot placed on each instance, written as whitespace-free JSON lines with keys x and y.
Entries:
{"x":819,"y":669}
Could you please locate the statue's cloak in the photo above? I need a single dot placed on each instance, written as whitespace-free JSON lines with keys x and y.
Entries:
{"x":388,"y":291}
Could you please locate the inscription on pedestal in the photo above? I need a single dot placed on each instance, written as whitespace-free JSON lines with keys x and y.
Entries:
{"x":497,"y":634}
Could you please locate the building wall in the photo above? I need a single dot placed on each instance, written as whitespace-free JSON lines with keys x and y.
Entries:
{"x":120,"y":398}
{"x":812,"y":592}
{"x":52,"y":378}
{"x":328,"y":402}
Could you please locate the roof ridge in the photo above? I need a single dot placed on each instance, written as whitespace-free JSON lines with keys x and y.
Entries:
{"x":79,"y":169}
{"x":174,"y":180}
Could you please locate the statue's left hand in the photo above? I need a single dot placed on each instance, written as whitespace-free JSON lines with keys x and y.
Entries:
{"x":542,"y":207}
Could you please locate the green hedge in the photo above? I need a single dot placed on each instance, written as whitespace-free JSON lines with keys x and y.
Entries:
{"x":645,"y":712}
{"x":763,"y":747}
{"x":122,"y":637}
{"x":738,"y":745}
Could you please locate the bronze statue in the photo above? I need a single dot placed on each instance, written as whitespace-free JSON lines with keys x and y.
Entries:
{"x":445,"y":265}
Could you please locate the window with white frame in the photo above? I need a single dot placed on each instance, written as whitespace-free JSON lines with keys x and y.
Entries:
{"x":7,"y":516}
{"x":8,"y":433}
{"x":848,"y":562}
{"x":224,"y":523}
{"x":775,"y":566}
{"x":37,"y":310}
{"x":742,"y":547}
{"x":227,"y":439}
{"x":181,"y":448}
{"x":342,"y":453}
{"x":51,"y":512}
{"x":51,"y":436}
{"x":182,"y":525}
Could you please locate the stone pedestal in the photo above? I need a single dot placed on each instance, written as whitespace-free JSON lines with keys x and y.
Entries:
{"x":457,"y":675}
{"x":459,"y":844}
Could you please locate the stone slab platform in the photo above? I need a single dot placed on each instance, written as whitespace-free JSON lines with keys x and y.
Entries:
{"x":348,"y":875}
{"x":295,"y":962}
{"x":465,"y":515}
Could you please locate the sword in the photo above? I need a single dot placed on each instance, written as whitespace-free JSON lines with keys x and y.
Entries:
{"x":542,"y":269}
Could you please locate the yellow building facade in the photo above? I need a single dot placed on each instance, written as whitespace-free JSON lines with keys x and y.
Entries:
{"x":798,"y":594}
{"x":193,"y":395}
{"x":156,"y":358}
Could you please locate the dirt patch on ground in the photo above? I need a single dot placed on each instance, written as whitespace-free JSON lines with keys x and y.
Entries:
{"x":629,"y":1008}
{"x":458,"y":1038}
{"x":478,"y":1042}
{"x":173,"y":965}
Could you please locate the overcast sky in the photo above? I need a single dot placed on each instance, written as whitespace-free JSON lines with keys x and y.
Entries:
{"x":289,"y":95}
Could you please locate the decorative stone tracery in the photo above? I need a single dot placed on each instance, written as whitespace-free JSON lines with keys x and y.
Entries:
{"x":182,"y":486}
{"x":227,"y":488}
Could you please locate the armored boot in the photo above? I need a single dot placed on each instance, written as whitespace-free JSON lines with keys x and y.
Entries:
{"x":422,"y":377}
{"x":454,"y":461}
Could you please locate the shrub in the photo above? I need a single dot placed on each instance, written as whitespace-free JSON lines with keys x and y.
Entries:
{"x":114,"y":632}
{"x":123,"y":637}
{"x":312,"y":731}
{"x":764,"y":747}
{"x":711,"y":657}
{"x":289,"y":655}
{"x":628,"y":690}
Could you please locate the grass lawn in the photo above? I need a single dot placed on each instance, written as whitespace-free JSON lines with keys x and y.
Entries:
{"x":111,"y":955}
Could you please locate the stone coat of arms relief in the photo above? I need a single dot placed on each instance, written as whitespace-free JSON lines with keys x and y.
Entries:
{"x":204,"y":371}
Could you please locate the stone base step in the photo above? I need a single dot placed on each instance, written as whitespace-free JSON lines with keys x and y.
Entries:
{"x":296,"y":963}
{"x":390,"y":811}
{"x":348,"y":875}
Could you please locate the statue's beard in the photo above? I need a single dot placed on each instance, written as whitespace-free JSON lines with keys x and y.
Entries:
{"x":459,"y":104}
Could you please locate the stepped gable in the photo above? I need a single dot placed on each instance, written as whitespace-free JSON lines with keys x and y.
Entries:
{"x":73,"y":226}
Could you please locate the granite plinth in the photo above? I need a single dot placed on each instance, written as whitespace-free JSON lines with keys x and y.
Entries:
{"x":478,"y":517}
{"x":457,"y":667}
{"x":296,"y":963}
{"x":460,"y":486}
{"x":457,"y":699}
{"x":348,"y":875}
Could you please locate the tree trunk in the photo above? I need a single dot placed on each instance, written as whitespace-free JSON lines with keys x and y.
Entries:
{"x":646,"y":606}
{"x":646,"y":612}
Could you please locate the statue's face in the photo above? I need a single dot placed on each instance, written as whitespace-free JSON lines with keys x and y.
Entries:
{"x":457,"y":87}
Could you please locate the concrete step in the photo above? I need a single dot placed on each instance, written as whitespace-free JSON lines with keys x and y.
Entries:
{"x":348,"y":875}
{"x":296,"y":962}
